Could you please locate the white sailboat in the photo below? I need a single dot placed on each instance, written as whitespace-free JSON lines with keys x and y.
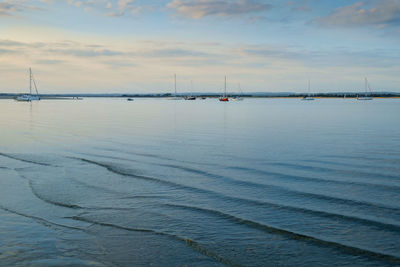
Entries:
{"x":308,"y":96}
{"x":175,"y":97}
{"x":29,"y":97}
{"x":190,"y":96}
{"x":367,"y":87}
{"x":238,"y":97}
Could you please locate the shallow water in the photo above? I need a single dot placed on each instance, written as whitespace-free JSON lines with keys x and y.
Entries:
{"x":108,"y":182}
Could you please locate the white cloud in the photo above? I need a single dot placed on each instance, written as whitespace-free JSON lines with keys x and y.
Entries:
{"x":201,"y":8}
{"x":103,"y":66}
{"x":380,"y":14}
{"x":11,"y":7}
{"x":112,"y":8}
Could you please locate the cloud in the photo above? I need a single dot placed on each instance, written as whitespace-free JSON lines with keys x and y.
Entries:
{"x":197,"y":9}
{"x":82,"y":52}
{"x":11,"y":43}
{"x":380,"y":14}
{"x":121,"y":7}
{"x":6,"y":51}
{"x":10,"y":7}
{"x":103,"y":66}
{"x":337,"y":57}
{"x":49,"y":61}
{"x":111,"y":8}
{"x":265,"y":51}
{"x":176,"y":52}
{"x":299,"y":6}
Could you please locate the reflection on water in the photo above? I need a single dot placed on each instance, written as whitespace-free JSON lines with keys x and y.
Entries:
{"x":250,"y":183}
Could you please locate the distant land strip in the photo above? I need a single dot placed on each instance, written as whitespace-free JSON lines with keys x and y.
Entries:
{"x":210,"y":95}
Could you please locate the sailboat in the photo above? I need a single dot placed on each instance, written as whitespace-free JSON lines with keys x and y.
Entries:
{"x":29,"y":97}
{"x":308,"y":96}
{"x":175,"y":97}
{"x":366,"y":97}
{"x":190,"y":97}
{"x":224,"y":97}
{"x":238,"y":97}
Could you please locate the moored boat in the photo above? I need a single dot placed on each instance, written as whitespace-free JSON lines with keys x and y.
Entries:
{"x":224,"y":97}
{"x":367,"y":96}
{"x":29,"y":97}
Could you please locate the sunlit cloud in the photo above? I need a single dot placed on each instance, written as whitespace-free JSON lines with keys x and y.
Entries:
{"x":147,"y":65}
{"x":201,"y":8}
{"x":379,"y":13}
{"x":13,"y":7}
{"x":97,"y":52}
{"x":112,"y":8}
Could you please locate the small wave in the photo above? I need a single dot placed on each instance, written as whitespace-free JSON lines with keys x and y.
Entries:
{"x":138,"y":154}
{"x":352,"y":165}
{"x":60,"y":204}
{"x":25,"y":160}
{"x":280,"y":188}
{"x":41,"y":220}
{"x":108,"y":157}
{"x":119,"y":171}
{"x":315,"y":179}
{"x":189,"y":242}
{"x":330,"y":170}
{"x":115,"y":192}
{"x":358,"y":157}
{"x":153,"y":156}
{"x":145,"y":197}
{"x":253,"y":202}
{"x":293,"y":235}
{"x":339,"y":201}
{"x":190,"y":170}
{"x":95,"y":187}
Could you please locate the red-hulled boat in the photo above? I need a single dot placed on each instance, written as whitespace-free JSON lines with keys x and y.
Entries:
{"x":224,"y":98}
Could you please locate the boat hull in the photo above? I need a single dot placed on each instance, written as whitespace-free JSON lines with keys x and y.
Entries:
{"x":27,"y":98}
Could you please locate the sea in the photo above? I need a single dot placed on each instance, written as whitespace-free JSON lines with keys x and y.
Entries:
{"x":157,"y":182}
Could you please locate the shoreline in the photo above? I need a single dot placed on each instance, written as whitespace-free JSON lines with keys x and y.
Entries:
{"x":316,"y":96}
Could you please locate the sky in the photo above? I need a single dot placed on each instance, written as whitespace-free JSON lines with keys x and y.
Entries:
{"x":136,"y":46}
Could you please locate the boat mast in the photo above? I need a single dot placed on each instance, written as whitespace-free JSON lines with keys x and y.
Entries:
{"x":175,"y":83}
{"x":30,"y":81}
{"x":309,"y":87}
{"x":366,"y":86}
{"x":225,"y":88}
{"x":34,"y":84}
{"x":369,"y":89}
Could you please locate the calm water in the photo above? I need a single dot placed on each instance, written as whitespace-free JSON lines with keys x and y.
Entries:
{"x":261,"y":182}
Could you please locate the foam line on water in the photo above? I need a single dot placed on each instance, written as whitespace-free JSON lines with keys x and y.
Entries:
{"x":41,"y":220}
{"x":330,"y":170}
{"x":285,"y":189}
{"x":153,"y":156}
{"x":56,"y":203}
{"x":315,"y":179}
{"x":293,"y":235}
{"x":352,"y":165}
{"x":189,"y":242}
{"x":254,"y":202}
{"x":25,"y":160}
